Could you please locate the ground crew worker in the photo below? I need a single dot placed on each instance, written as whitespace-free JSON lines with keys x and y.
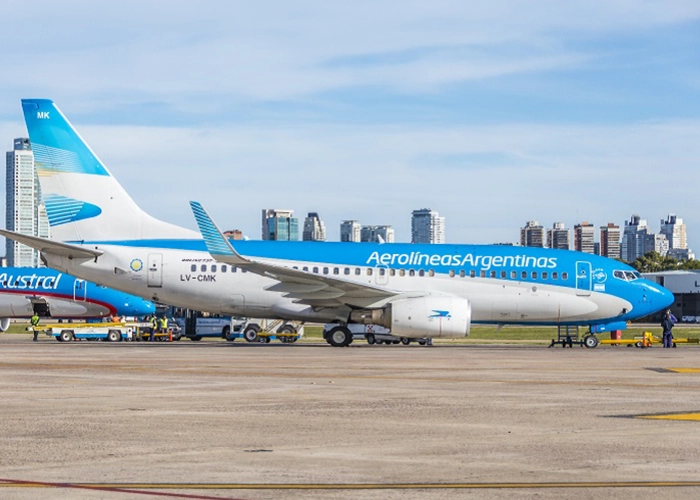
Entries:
{"x":35,"y":325}
{"x":154,"y":327}
{"x":164,"y":324}
{"x":667,"y":325}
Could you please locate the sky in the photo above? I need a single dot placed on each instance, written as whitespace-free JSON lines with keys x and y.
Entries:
{"x":492,"y":113}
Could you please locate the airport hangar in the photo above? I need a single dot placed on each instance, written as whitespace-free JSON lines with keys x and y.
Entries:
{"x":685,"y":286}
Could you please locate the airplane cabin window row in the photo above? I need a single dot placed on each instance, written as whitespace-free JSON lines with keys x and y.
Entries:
{"x":382,"y":271}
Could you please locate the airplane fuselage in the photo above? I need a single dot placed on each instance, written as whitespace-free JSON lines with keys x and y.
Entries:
{"x":505,"y":285}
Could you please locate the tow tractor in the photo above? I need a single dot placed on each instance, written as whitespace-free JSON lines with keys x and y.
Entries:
{"x":647,"y":339}
{"x":265,"y":330}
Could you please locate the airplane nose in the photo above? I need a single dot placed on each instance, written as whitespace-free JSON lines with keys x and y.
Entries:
{"x":666,"y":298}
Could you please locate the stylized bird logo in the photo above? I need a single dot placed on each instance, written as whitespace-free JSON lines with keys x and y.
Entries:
{"x":440,"y":314}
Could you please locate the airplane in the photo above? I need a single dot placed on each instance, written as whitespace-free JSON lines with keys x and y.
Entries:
{"x":99,"y":233}
{"x":49,"y":293}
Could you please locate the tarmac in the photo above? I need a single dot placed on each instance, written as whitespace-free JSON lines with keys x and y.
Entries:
{"x":213,"y":419}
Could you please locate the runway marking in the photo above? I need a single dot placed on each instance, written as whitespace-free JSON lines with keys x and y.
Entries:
{"x":147,"y":488}
{"x":684,"y":370}
{"x":673,"y":416}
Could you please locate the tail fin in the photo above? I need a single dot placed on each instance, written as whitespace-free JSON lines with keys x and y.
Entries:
{"x":84,"y":202}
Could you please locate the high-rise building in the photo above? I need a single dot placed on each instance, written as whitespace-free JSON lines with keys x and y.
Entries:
{"x":350,"y":231}
{"x":634,"y":239}
{"x":314,"y":228}
{"x":427,"y":226}
{"x":532,"y":235}
{"x":233,"y":234}
{"x":558,"y":236}
{"x":24,"y":211}
{"x":610,"y":241}
{"x":279,"y":225}
{"x":374,"y":234}
{"x":584,"y":237}
{"x":674,"y":230}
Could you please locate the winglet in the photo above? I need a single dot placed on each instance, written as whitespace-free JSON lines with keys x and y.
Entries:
{"x":217,"y":244}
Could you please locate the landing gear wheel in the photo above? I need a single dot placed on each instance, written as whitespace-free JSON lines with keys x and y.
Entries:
{"x":405,"y":341}
{"x":590,"y":341}
{"x":195,"y":338}
{"x":339,"y":336}
{"x":250,"y":334}
{"x":371,"y":339}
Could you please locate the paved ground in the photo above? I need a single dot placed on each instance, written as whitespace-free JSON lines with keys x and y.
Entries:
{"x":93,"y":420}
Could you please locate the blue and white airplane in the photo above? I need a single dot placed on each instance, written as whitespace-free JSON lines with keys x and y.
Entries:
{"x":49,"y":293}
{"x":415,"y":290}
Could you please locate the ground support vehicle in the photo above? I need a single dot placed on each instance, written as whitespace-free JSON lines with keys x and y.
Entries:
{"x":143,"y":333}
{"x":374,"y":334}
{"x":265,"y":330}
{"x":646,"y":340}
{"x":111,"y":332}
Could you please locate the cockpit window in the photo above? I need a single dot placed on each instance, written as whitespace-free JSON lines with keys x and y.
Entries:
{"x":627,"y":275}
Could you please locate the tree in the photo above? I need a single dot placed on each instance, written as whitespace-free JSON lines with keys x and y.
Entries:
{"x":652,"y":262}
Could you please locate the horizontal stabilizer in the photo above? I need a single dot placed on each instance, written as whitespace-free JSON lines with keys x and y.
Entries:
{"x":51,"y":247}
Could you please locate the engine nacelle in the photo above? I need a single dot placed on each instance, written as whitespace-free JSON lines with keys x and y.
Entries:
{"x":437,"y":316}
{"x":4,"y":324}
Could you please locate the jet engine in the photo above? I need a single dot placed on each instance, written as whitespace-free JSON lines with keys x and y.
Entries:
{"x":435,"y":316}
{"x":4,"y":324}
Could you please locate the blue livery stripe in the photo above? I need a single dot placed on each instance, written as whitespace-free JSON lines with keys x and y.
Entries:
{"x":62,"y":210}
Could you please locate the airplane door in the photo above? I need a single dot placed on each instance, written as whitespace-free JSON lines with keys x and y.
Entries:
{"x":584,"y":280}
{"x":381,"y":276}
{"x":155,"y":270}
{"x":79,"y":290}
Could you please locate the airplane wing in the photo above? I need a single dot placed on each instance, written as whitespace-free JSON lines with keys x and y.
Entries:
{"x":52,"y":247}
{"x":304,"y":287}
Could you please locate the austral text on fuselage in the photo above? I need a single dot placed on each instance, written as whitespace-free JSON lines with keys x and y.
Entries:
{"x":30,"y":281}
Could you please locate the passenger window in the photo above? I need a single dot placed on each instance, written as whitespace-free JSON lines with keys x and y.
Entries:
{"x":305,"y":268}
{"x":482,"y":273}
{"x":346,"y":271}
{"x":503,"y":274}
{"x":213,"y":268}
{"x":325,"y":270}
{"x":369,"y":271}
{"x":421,"y":273}
{"x":492,"y":274}
{"x":382,"y":271}
{"x":431,"y":273}
{"x":193,"y":268}
{"x":358,"y":271}
{"x":544,"y":275}
{"x":472,"y":273}
{"x":513,"y":274}
{"x":565,"y":276}
{"x":452,"y":273}
{"x":234,"y":269}
{"x":402,"y":272}
{"x":315,"y":270}
{"x":204,"y":268}
{"x":555,"y":275}
{"x":392,"y":272}
{"x":534,"y":275}
{"x":411,"y":272}
{"x":336,"y":270}
{"x":523,"y":275}
{"x":462,"y":274}
{"x":224,"y":268}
